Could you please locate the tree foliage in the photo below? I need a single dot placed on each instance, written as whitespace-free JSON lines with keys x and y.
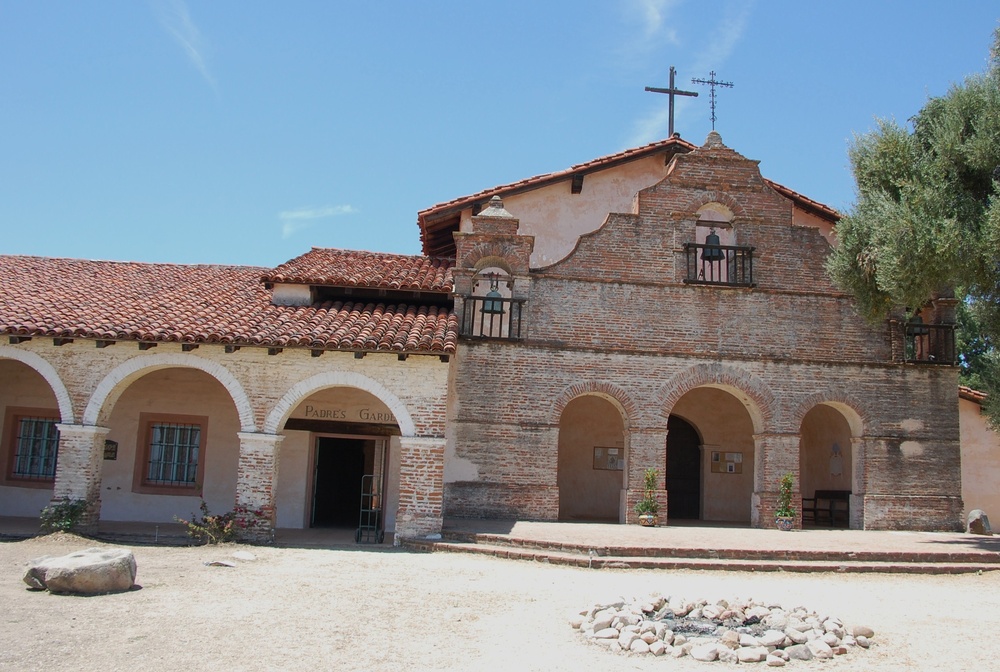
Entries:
{"x":927,"y":218}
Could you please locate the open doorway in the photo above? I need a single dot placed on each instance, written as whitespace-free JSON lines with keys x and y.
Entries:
{"x":683,"y":470}
{"x":340,"y":464}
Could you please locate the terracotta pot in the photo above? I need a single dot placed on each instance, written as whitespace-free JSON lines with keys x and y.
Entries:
{"x":784,"y":523}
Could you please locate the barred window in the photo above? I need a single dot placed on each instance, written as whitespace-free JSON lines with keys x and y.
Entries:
{"x":174,"y":453}
{"x":36,"y":448}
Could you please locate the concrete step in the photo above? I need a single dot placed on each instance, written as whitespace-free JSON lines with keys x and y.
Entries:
{"x":690,"y":560}
{"x":746,"y":554}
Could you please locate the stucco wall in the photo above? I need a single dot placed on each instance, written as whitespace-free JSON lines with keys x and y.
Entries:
{"x":22,"y":388}
{"x":175,"y":392}
{"x":980,"y":462}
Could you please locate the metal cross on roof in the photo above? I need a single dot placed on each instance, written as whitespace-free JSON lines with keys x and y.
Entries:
{"x":671,"y":92}
{"x":712,"y":82}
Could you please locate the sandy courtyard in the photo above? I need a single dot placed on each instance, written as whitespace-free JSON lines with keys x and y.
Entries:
{"x":381,"y":610}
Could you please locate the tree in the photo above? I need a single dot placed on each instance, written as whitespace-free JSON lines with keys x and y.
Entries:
{"x":927,"y":219}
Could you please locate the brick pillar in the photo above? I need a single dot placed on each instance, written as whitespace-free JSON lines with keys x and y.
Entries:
{"x":256,"y":484}
{"x":421,"y":487}
{"x":859,"y":480}
{"x":774,"y":456}
{"x":78,"y":470}
{"x":647,"y":448}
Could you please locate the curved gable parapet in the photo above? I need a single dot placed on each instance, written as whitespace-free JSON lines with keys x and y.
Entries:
{"x":626,"y":248}
{"x":114,"y":383}
{"x":752,"y":392}
{"x":301,"y":390}
{"x":48,"y":372}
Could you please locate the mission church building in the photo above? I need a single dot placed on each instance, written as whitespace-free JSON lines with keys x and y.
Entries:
{"x":664,"y":307}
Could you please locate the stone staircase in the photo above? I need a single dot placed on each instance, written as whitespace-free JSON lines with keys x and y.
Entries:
{"x":733,"y":559}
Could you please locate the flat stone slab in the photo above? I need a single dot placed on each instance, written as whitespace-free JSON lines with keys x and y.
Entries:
{"x":92,"y":571}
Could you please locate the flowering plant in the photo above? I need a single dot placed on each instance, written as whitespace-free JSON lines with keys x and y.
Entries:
{"x":223,"y":527}
{"x":785,"y":508}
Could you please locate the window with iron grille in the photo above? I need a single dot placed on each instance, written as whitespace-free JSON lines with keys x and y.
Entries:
{"x":170,"y":454}
{"x":36,"y":447}
{"x":174,"y":451}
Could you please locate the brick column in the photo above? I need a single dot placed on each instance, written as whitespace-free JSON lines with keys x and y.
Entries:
{"x":421,"y":487}
{"x":78,"y":470}
{"x":256,"y":483}
{"x":774,"y":456}
{"x":647,"y":448}
{"x":859,"y":482}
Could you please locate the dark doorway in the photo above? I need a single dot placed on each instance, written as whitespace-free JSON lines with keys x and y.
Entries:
{"x":340,"y":464}
{"x":683,"y":470}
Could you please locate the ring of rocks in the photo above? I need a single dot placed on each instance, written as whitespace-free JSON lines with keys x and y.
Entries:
{"x":737,"y":631}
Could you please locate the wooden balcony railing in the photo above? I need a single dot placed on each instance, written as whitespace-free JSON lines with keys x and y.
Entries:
{"x":488,"y":317}
{"x":929,"y":343}
{"x":728,"y":265}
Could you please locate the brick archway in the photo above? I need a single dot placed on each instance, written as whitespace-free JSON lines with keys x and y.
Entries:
{"x":752,"y":392}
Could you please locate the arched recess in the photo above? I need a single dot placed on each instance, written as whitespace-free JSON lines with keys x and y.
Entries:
{"x":592,"y":452}
{"x":614,"y":394}
{"x":828,"y":434}
{"x":111,"y":387}
{"x":848,"y":405}
{"x":279,"y":414}
{"x":48,"y":372}
{"x":751,"y":392}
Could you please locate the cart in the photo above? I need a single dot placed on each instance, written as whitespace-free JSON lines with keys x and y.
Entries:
{"x":370,"y":529}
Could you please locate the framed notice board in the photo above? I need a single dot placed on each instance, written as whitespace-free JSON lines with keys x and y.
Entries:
{"x":609,"y":459}
{"x":727,"y":462}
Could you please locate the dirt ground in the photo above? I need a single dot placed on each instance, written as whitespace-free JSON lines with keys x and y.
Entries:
{"x":348,"y":609}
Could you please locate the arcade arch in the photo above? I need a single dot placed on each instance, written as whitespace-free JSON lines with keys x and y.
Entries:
{"x":592,"y":457}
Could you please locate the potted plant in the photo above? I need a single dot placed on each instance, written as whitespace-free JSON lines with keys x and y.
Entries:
{"x":647,"y":507}
{"x":784,"y":515}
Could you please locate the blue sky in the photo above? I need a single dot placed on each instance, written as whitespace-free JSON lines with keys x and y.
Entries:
{"x":247,"y":132}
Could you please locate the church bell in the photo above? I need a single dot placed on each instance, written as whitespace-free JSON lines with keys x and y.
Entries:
{"x":712,"y":251}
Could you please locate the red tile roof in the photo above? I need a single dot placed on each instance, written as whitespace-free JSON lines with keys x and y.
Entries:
{"x":439,"y":221}
{"x":971,"y":394}
{"x":350,"y":268}
{"x":201,"y":304}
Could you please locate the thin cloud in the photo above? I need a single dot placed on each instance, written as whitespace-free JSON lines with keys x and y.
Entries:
{"x":654,"y":19}
{"x":293,"y":221}
{"x":717,"y":50}
{"x":175,"y":18}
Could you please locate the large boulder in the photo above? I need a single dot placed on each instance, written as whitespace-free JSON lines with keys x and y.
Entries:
{"x":89,"y":572}
{"x":978,"y":523}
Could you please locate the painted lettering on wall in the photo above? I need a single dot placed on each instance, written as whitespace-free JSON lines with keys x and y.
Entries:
{"x":326,"y":413}
{"x":363,"y":414}
{"x":369,"y":415}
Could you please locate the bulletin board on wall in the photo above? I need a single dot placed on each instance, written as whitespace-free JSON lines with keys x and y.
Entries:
{"x":608,"y":458}
{"x":724,"y":462}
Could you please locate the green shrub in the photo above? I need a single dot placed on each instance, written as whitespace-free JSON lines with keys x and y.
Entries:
{"x":63,"y":516}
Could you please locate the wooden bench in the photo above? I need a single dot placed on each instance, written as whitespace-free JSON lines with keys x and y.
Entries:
{"x":828,"y":507}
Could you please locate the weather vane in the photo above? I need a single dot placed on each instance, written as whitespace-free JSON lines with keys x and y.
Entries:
{"x":671,"y":92}
{"x":712,"y":82}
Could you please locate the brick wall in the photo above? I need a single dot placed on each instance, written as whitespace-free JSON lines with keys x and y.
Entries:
{"x":614,"y":318}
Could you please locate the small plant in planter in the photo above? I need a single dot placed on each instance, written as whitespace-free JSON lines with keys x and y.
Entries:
{"x":647,"y":507}
{"x":784,"y":515}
